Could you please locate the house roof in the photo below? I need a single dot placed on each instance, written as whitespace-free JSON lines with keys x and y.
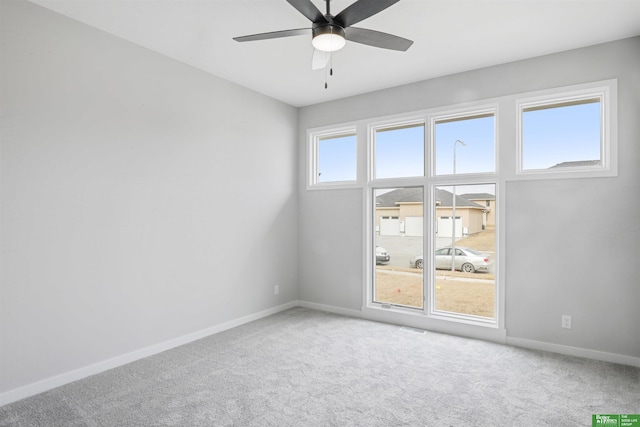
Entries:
{"x":415,"y":195}
{"x":576,"y":163}
{"x":478,"y":196}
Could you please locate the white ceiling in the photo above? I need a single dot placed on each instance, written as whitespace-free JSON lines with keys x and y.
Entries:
{"x":450,"y":36}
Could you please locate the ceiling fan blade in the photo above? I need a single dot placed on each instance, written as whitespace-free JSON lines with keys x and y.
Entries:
{"x":377,"y":39}
{"x":274,"y":35}
{"x":309,"y":10}
{"x":362,"y":9}
{"x":320,"y":59}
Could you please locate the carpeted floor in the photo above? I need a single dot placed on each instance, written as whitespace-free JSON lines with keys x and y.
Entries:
{"x":308,"y":368}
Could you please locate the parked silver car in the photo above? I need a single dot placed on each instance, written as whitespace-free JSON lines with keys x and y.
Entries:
{"x":467,"y":260}
{"x":382,"y":256}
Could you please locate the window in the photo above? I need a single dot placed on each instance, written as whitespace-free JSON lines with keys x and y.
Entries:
{"x":476,"y":133}
{"x":462,"y":144}
{"x":563,"y":135}
{"x":465,"y":282}
{"x":568,"y":133}
{"x":398,"y":236}
{"x":398,"y":151}
{"x":333,"y":158}
{"x":436,"y":173}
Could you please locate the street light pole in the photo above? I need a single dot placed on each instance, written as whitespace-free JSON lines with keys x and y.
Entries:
{"x":453,"y":210}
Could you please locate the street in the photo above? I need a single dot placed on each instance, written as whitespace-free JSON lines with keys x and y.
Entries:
{"x":403,"y":248}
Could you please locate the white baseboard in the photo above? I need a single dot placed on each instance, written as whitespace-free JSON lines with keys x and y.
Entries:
{"x":96,"y":368}
{"x":77,"y":374}
{"x":331,"y":309}
{"x":516,"y":342}
{"x":575,"y":351}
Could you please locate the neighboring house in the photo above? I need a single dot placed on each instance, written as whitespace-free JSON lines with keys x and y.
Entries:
{"x":399,"y":213}
{"x":489,"y":202}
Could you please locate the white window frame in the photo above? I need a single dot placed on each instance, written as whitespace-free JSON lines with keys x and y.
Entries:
{"x":507,"y":168}
{"x":431,"y":289}
{"x":429,"y":182}
{"x":606,"y":93}
{"x":370,"y":237}
{"x":461,"y":114}
{"x":407,"y":121}
{"x":314,"y":136}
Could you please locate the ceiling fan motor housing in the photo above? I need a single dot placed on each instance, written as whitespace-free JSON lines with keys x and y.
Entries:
{"x":327,"y":28}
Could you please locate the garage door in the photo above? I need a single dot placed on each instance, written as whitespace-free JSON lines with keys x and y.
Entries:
{"x":413,"y":226}
{"x":390,"y":226}
{"x":444,"y":226}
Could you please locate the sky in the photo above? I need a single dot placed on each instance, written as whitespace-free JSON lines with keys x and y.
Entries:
{"x":550,"y":136}
{"x":553,"y":136}
{"x":478,"y":153}
{"x":399,"y":152}
{"x":337,"y":159}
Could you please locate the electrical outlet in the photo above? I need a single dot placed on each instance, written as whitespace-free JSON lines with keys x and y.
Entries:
{"x":566,"y":321}
{"x":276,"y":289}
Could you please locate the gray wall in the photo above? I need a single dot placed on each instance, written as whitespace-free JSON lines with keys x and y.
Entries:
{"x":572,"y":246}
{"x":142,"y":199}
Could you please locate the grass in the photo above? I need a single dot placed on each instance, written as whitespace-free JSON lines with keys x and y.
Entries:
{"x":473,"y":298}
{"x":402,"y":289}
{"x":485,"y":241}
{"x":455,"y":292}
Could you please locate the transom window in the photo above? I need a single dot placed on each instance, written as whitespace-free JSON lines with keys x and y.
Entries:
{"x":566,"y":134}
{"x":333,"y":159}
{"x":562,"y":135}
{"x":476,"y":133}
{"x":398,"y":151}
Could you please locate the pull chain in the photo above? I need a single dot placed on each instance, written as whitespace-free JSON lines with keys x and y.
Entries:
{"x":326,"y":85}
{"x":330,"y":66}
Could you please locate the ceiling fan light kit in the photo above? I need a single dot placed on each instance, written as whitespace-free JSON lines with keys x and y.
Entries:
{"x":328,"y":38}
{"x":330,"y":33}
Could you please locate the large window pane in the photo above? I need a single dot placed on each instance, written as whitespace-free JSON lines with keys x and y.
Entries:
{"x":464,"y":255}
{"x":398,"y":244}
{"x":470,"y":139}
{"x":399,"y":151}
{"x":562,"y":135}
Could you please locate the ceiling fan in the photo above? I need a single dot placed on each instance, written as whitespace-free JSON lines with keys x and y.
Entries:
{"x":330,"y":33}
